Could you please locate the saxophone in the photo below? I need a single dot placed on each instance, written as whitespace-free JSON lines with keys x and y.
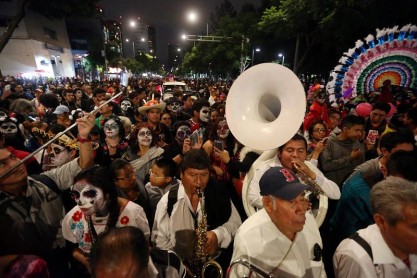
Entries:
{"x":201,"y":261}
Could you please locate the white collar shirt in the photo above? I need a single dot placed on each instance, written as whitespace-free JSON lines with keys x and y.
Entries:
{"x":351,"y":260}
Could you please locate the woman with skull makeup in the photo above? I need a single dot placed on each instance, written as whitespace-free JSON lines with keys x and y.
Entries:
{"x":98,"y":210}
{"x":143,"y":151}
{"x":12,"y":134}
{"x":175,"y":150}
{"x":127,"y":109}
{"x":113,"y":144}
{"x":221,"y":147}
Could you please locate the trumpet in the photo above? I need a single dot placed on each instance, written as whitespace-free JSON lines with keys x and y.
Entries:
{"x":319,"y":201}
{"x":53,"y":139}
{"x":316,"y":188}
{"x":251,"y":267}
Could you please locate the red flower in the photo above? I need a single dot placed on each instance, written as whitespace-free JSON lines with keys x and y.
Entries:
{"x":87,"y":237}
{"x":77,"y":216}
{"x":124,"y":220}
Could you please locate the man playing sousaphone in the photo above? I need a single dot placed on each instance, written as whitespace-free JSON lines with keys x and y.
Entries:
{"x":292,"y":155}
{"x":190,"y":224}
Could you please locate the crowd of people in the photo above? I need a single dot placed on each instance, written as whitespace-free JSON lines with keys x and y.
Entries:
{"x":120,"y":181}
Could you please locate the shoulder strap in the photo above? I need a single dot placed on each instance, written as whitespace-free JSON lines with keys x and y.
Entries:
{"x":48,"y":182}
{"x":363,"y":243}
{"x":172,"y":199}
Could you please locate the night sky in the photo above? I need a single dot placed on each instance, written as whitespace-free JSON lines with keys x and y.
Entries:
{"x":167,"y":16}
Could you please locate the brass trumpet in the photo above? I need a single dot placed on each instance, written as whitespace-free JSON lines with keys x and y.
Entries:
{"x":251,"y":267}
{"x":317,"y":190}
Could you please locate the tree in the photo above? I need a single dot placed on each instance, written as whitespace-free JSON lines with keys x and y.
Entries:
{"x":322,"y":30}
{"x":50,"y":9}
{"x":223,"y":58}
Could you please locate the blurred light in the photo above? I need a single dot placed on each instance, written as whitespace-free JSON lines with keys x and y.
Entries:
{"x":132,"y":23}
{"x":192,"y":16}
{"x":184,"y":37}
{"x":142,"y":39}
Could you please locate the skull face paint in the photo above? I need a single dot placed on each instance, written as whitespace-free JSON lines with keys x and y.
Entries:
{"x":3,"y":116}
{"x":205,"y":114}
{"x":182,"y":133}
{"x":8,"y":128}
{"x":89,"y":199}
{"x":111,"y":128}
{"x":144,"y":137}
{"x":223,"y":129}
{"x":174,"y":106}
{"x":59,"y":155}
{"x":125,"y":105}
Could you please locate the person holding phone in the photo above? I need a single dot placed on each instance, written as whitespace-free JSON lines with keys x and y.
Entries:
{"x":220,"y":147}
{"x":318,"y":140}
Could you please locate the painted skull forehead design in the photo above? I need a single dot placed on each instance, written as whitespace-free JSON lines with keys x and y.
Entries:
{"x":223,"y":129}
{"x":182,"y":133}
{"x":8,"y":128}
{"x":144,"y":136}
{"x":205,"y":114}
{"x":59,"y":155}
{"x":125,"y":105}
{"x":174,"y":106}
{"x":3,"y":116}
{"x":89,"y":198}
{"x":111,"y":128}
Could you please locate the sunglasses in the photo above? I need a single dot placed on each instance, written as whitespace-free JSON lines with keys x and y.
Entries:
{"x":75,"y":195}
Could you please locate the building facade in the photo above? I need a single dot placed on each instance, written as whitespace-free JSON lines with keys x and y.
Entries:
{"x":38,"y":47}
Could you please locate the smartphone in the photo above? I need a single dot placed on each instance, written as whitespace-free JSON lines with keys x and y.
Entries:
{"x":218,"y":144}
{"x":194,"y":138}
{"x":325,"y":140}
{"x":7,"y":88}
{"x":372,"y":136}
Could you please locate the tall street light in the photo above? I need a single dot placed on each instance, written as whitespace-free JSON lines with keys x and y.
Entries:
{"x":283,"y":57}
{"x":253,"y":53}
{"x":133,"y":44}
{"x":192,"y":17}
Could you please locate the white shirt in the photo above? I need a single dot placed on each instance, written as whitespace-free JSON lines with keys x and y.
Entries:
{"x":329,"y":187}
{"x":351,"y":260}
{"x":75,"y":227}
{"x":165,"y":228}
{"x":260,"y":242}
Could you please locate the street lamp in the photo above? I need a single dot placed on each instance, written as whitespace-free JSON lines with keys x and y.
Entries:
{"x":283,"y":57}
{"x":253,"y":53}
{"x":133,"y":44}
{"x":193,"y":17}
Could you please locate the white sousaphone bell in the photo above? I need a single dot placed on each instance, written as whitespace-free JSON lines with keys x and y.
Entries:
{"x":265,"y":108}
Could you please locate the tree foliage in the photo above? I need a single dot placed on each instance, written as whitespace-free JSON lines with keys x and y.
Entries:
{"x":327,"y":28}
{"x":223,"y":58}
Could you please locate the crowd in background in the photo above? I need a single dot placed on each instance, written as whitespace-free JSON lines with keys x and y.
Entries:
{"x":139,"y":140}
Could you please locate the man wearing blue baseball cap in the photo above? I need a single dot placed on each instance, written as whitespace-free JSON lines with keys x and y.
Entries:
{"x":282,"y":239}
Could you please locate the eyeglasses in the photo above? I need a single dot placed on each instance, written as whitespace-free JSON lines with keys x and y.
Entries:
{"x":168,"y":118}
{"x":75,"y":195}
{"x":128,"y":177}
{"x":320,"y":130}
{"x":153,"y":175}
